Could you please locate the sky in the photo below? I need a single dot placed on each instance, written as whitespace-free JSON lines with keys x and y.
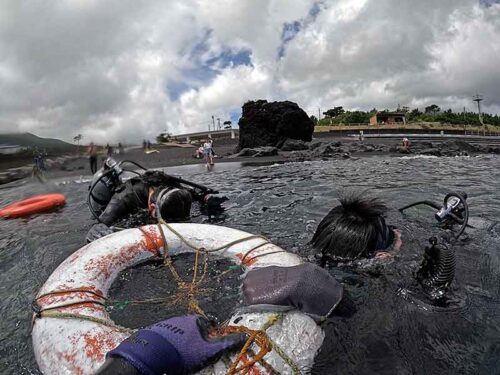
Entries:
{"x":125,"y":70}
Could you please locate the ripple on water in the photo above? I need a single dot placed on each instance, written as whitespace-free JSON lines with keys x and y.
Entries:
{"x":395,"y":330}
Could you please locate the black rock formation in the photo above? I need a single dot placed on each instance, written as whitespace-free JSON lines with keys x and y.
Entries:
{"x":294,"y":145}
{"x":270,"y":124}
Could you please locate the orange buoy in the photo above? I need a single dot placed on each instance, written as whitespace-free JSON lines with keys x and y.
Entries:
{"x":33,"y":205}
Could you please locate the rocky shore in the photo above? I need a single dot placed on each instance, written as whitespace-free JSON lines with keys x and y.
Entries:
{"x":321,"y":149}
{"x":291,"y":150}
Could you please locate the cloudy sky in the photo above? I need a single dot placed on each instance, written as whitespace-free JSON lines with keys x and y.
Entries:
{"x":123,"y":70}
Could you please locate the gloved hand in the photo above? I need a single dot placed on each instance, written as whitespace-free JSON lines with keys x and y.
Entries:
{"x":97,"y":231}
{"x":215,"y":200}
{"x":175,"y":346}
{"x":305,"y":287}
{"x":212,"y":206}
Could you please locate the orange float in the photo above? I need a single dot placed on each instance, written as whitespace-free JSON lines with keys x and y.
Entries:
{"x":33,"y":205}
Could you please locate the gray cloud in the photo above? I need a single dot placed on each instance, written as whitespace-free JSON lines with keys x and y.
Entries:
{"x":122,"y":70}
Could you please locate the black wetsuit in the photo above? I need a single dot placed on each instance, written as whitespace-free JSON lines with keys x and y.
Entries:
{"x":132,"y":197}
{"x":93,"y":164}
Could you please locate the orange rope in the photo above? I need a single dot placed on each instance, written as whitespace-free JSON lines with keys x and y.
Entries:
{"x":191,"y":288}
{"x":259,"y":337}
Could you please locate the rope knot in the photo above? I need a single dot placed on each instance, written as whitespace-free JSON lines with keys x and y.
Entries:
{"x":37,"y":309}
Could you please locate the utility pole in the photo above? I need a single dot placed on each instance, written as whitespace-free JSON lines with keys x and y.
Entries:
{"x":319,"y":114}
{"x":465,"y":124}
{"x":218,"y":123}
{"x":213,"y":122}
{"x":479,"y":98}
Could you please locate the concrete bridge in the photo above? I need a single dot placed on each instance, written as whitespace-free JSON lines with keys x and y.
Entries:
{"x":225,"y":133}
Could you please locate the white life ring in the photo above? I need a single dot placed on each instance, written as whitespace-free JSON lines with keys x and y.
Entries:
{"x":79,"y":346}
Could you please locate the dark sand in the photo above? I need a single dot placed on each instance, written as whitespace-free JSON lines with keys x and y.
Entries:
{"x":168,"y":156}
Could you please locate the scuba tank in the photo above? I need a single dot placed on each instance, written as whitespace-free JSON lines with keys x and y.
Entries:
{"x":103,"y":185}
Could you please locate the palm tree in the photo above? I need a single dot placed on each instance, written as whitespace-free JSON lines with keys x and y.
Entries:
{"x":77,"y":139}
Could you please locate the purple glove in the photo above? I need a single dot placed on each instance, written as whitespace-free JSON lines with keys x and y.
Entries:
{"x":175,"y":346}
{"x":306,"y":287}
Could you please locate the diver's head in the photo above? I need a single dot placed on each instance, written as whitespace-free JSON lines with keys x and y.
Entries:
{"x":171,"y":204}
{"x":354,"y":229}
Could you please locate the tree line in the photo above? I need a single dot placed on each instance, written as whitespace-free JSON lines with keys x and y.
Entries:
{"x":432,"y":113}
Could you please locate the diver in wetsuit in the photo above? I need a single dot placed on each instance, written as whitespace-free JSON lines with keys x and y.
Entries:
{"x":162,"y":195}
{"x":356,"y":229}
{"x":151,"y":191}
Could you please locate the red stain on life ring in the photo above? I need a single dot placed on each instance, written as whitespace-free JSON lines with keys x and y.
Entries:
{"x":246,"y":261}
{"x":98,"y":344}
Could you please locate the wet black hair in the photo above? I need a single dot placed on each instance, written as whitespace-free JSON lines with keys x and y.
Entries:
{"x":173,"y":204}
{"x":354,"y":229}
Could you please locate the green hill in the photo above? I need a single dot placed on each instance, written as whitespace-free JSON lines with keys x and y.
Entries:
{"x":32,"y":141}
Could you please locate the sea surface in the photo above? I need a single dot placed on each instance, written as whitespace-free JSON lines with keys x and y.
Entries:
{"x":395,"y":329}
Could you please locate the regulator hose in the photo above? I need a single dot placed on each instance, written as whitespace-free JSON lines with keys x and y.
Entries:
{"x":427,"y":203}
{"x":175,"y":178}
{"x":433,"y":205}
{"x":133,"y":163}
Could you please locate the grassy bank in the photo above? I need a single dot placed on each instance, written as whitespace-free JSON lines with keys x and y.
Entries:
{"x":431,"y":126}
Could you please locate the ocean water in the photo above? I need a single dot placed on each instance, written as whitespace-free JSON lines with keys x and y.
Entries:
{"x":395,"y":329}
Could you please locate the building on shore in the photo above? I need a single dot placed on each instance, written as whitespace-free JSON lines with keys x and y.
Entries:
{"x":388,"y":118}
{"x":196,"y":137}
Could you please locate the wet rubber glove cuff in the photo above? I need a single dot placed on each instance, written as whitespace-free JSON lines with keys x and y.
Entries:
{"x":150,"y":353}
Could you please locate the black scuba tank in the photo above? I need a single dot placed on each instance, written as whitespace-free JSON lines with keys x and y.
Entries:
{"x":103,"y":185}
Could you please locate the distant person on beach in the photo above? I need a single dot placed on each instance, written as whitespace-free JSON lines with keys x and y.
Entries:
{"x":109,"y":150}
{"x":208,"y":152}
{"x":356,"y":229}
{"x":213,"y":150}
{"x":92,"y":152}
{"x":120,"y":149}
{"x":39,"y":159}
{"x":198,"y":153}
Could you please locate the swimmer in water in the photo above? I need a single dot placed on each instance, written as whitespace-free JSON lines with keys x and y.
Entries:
{"x":356,"y":229}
